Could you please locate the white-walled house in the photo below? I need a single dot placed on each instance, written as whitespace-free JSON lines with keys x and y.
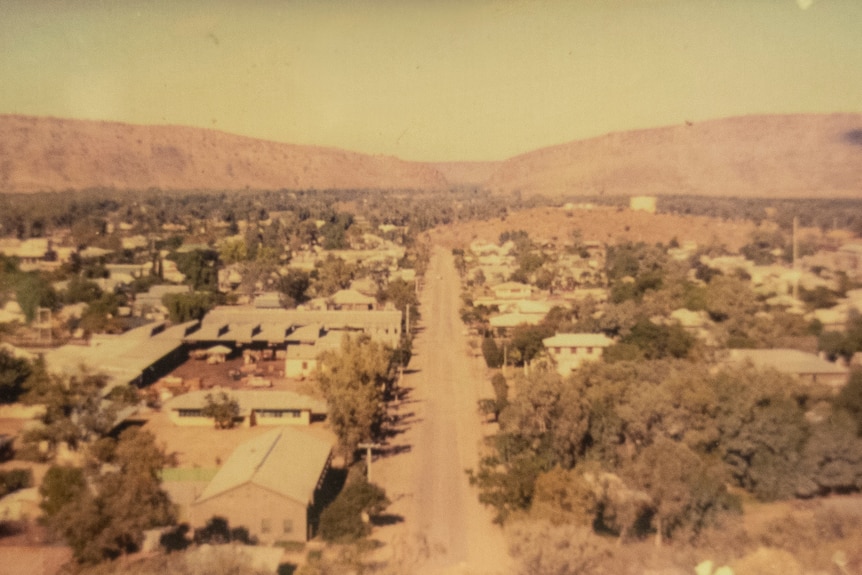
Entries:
{"x":570,"y":350}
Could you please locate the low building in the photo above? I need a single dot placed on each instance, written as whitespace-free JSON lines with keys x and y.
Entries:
{"x":270,"y":485}
{"x":570,"y":350}
{"x":512,"y":290}
{"x":351,"y":300}
{"x":256,"y":407}
{"x":807,"y":367}
{"x":138,"y":357}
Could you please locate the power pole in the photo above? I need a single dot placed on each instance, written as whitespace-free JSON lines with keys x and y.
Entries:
{"x":795,"y":258}
{"x":368,"y":447}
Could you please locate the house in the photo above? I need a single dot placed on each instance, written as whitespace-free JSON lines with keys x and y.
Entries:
{"x":256,"y":407}
{"x":301,"y":359}
{"x":350,"y":300}
{"x":807,"y":367}
{"x":570,"y":350}
{"x":512,"y":290}
{"x":270,"y":485}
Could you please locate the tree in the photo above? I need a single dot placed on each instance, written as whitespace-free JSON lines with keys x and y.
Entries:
{"x":105,"y":515}
{"x":32,"y":292}
{"x":14,"y":372}
{"x":233,"y":251}
{"x":331,"y":275}
{"x":493,"y":355}
{"x":294,"y":285}
{"x":684,"y":492}
{"x":184,"y":307}
{"x":355,"y":381}
{"x":75,"y":413}
{"x":564,"y":496}
{"x":343,"y":519}
{"x":224,"y":410}
{"x":850,"y":399}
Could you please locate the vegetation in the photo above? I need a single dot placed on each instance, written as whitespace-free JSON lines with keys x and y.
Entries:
{"x":13,"y":373}
{"x":102,"y":511}
{"x":648,"y":446}
{"x":355,"y":381}
{"x":14,"y":479}
{"x":224,"y":410}
{"x":348,"y":517}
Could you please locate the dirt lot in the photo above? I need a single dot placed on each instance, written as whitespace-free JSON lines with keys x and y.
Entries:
{"x":603,"y":224}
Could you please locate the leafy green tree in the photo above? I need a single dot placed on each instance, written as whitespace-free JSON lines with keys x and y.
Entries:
{"x":728,"y":296}
{"x":294,"y":285}
{"x":343,"y":520}
{"x":401,"y":294}
{"x":526,"y":342}
{"x":32,"y":292}
{"x":355,"y":380}
{"x":564,"y":496}
{"x":14,"y":479}
{"x":849,"y":399}
{"x":75,"y":413}
{"x":81,"y":290}
{"x":224,"y":410}
{"x":331,"y":275}
{"x":61,"y":485}
{"x":233,"y":251}
{"x":14,"y":372}
{"x":493,"y":355}
{"x":685,"y":493}
{"x":199,"y":267}
{"x":832,"y":457}
{"x":184,"y":307}
{"x":108,"y":519}
{"x":659,"y":341}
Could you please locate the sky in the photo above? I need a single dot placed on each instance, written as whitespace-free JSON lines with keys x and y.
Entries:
{"x":426,"y":80}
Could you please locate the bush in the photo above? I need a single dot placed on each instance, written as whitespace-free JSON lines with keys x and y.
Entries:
{"x":343,"y":519}
{"x":15,"y":479}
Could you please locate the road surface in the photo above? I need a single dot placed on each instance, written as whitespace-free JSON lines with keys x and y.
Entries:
{"x":443,"y":529}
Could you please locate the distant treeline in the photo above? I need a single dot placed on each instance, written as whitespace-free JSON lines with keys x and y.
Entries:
{"x":35,"y":215}
{"x":823,"y":213}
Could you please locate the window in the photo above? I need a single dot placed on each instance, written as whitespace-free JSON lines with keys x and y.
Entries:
{"x":265,"y":525}
{"x":589,"y":350}
{"x":287,"y":526}
{"x":304,"y":365}
{"x":557,"y":350}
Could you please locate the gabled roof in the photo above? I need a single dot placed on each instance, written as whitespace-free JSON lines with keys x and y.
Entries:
{"x":250,"y":400}
{"x":578,"y":340}
{"x":305,"y":334}
{"x":286,"y":461}
{"x":514,"y":319}
{"x":351,"y":297}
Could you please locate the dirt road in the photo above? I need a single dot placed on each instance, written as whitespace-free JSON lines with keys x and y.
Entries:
{"x":444,"y":529}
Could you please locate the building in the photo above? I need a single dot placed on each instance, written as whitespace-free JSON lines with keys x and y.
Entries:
{"x":351,"y":300}
{"x":512,"y":290}
{"x":245,"y":325}
{"x":256,"y":407}
{"x":138,"y":357}
{"x":270,"y":485}
{"x":570,"y":350}
{"x":807,"y":367}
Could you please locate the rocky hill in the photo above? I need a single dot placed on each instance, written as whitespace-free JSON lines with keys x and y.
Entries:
{"x":751,"y":156}
{"x":44,"y":154}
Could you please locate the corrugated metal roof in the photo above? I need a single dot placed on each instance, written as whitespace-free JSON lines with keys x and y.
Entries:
{"x":287,"y":461}
{"x":250,"y":399}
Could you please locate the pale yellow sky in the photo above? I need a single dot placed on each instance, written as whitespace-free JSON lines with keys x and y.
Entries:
{"x":428,"y":80}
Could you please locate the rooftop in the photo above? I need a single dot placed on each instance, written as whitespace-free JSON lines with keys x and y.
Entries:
{"x":578,"y":340}
{"x":790,"y":361}
{"x":287,"y":461}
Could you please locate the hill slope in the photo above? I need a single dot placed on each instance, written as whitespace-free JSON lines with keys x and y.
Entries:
{"x":754,"y":156}
{"x":56,"y":154}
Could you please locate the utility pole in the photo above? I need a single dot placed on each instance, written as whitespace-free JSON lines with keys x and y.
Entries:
{"x":795,"y":258}
{"x":368,"y":447}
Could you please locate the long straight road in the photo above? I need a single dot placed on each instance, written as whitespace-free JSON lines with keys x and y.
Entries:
{"x":444,"y":529}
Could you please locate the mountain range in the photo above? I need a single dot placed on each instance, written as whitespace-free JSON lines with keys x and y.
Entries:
{"x":814,"y":155}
